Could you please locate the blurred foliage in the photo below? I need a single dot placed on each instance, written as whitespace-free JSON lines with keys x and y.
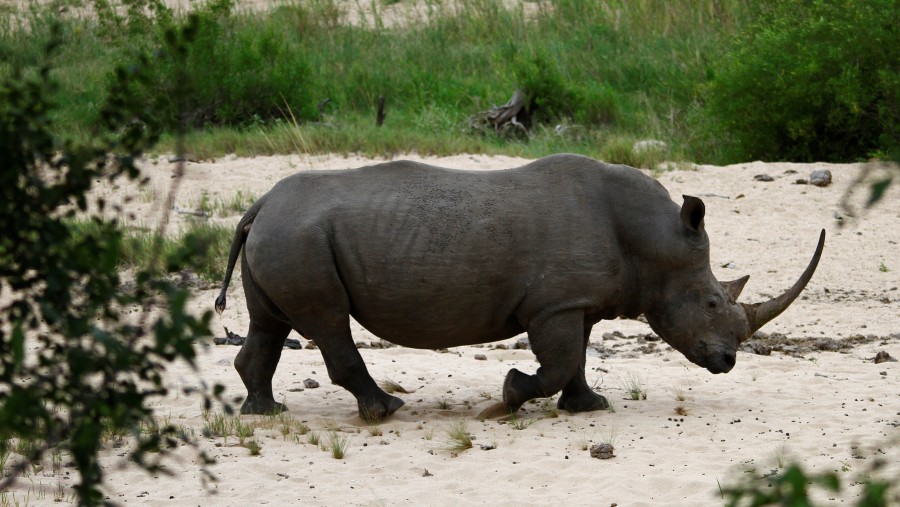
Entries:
{"x":76,"y":362}
{"x":793,"y":486}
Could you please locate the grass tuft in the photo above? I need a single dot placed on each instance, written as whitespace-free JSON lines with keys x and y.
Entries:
{"x":458,"y":435}
{"x":391,"y":387}
{"x":634,"y":388}
{"x":337,"y":444}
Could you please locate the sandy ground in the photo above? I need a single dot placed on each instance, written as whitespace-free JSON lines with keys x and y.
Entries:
{"x":831,"y":411}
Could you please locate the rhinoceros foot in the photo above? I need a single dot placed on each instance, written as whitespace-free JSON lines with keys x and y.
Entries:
{"x":584,"y":401}
{"x":261,"y":406}
{"x":379,"y":407}
{"x":517,"y":389}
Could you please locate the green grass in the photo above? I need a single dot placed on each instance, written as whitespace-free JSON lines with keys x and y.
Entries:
{"x":337,"y":445}
{"x":300,"y":78}
{"x":519,"y":424}
{"x":634,"y":388}
{"x":614,"y":72}
{"x":205,"y":245}
{"x":458,"y":436}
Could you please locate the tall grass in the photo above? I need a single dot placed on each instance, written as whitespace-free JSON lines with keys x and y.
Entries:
{"x":203,"y":245}
{"x":618,"y":69}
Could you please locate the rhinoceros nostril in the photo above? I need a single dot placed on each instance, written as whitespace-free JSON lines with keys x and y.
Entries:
{"x":728,"y":360}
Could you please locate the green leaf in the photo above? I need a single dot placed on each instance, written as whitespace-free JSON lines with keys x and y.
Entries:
{"x":878,"y":189}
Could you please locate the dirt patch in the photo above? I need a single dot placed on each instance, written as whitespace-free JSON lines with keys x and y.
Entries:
{"x":764,"y":344}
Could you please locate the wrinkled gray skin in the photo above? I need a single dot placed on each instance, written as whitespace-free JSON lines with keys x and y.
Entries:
{"x":429,"y":258}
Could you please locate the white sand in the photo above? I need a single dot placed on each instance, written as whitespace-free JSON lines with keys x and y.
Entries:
{"x":831,"y":411}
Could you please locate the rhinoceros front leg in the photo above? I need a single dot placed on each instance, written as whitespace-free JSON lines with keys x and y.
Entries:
{"x":578,"y":396}
{"x":256,"y":363}
{"x":558,"y":344}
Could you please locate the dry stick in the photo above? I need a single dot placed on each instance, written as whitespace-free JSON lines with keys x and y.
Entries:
{"x":321,"y":107}
{"x":177,"y":177}
{"x":379,"y":119}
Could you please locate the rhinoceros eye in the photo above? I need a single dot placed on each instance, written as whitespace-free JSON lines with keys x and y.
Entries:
{"x":712,"y":304}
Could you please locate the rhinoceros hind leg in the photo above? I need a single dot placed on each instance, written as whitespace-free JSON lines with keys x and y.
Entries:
{"x":256,"y":363}
{"x":347,"y":369}
{"x":557,"y":344}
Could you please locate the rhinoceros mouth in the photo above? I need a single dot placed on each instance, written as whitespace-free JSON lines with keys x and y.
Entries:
{"x":722,"y":362}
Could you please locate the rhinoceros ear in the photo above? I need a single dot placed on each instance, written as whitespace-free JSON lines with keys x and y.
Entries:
{"x":692,"y":212}
{"x":733,"y":288}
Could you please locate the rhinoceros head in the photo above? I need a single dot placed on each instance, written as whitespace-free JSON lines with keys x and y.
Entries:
{"x":699,"y":315}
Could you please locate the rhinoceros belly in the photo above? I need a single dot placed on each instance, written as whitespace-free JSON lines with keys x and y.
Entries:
{"x":434,"y":302}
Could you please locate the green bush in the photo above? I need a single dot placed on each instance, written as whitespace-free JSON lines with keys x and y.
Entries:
{"x":74,"y":366}
{"x":807,"y":81}
{"x":615,"y":68}
{"x":239,"y":70}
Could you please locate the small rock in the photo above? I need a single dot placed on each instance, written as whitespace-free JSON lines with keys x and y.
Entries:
{"x":310,"y":384}
{"x":763,"y":177}
{"x":295,"y":390}
{"x":293,"y":344}
{"x":480,"y":357}
{"x":488,"y":447}
{"x":827,"y":344}
{"x":615,"y":335}
{"x":729,"y":265}
{"x":820,"y":178}
{"x":884,"y":357}
{"x":427,"y":473}
{"x":602,"y":451}
{"x":800,"y":181}
{"x":522,"y":343}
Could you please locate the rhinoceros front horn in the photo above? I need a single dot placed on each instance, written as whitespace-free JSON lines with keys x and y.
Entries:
{"x":760,"y":313}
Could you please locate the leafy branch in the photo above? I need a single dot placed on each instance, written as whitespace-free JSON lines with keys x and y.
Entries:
{"x":74,"y":364}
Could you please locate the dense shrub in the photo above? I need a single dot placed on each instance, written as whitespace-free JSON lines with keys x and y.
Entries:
{"x":239,"y":69}
{"x":808,"y":80}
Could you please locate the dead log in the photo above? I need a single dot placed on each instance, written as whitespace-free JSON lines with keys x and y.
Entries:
{"x":514,"y":117}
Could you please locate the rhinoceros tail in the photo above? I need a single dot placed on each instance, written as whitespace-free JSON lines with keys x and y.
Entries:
{"x":240,"y":236}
